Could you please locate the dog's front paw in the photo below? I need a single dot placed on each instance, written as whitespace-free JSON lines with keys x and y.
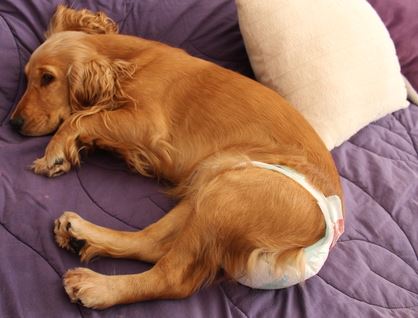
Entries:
{"x":51,"y":166}
{"x":89,"y":288}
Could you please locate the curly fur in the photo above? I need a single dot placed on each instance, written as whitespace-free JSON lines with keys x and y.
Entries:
{"x":84,"y":20}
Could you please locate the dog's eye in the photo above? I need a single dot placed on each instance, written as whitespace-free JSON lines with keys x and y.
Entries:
{"x":47,"y":79}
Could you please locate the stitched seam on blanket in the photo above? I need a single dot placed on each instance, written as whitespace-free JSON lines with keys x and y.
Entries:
{"x":40,"y":255}
{"x":377,"y":124}
{"x":379,"y":155}
{"x":231,"y":302}
{"x":408,"y":133}
{"x":384,"y":278}
{"x":362,"y":301}
{"x":129,"y":9}
{"x":382,"y":247}
{"x":157,"y":205}
{"x":406,"y":236}
{"x":99,"y":206}
{"x":394,"y":145}
{"x":19,"y":84}
{"x":144,"y":194}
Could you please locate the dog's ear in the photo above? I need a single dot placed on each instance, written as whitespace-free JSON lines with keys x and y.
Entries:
{"x":98,"y":83}
{"x":66,"y":19}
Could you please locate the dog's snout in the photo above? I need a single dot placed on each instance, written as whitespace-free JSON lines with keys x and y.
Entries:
{"x":17,"y":123}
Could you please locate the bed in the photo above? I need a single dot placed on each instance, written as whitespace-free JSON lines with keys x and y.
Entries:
{"x":372,"y":271}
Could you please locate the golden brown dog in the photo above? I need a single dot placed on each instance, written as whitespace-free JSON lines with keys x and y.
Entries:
{"x":178,"y":117}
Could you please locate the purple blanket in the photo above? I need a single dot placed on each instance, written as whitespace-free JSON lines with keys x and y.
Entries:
{"x":373,"y":270}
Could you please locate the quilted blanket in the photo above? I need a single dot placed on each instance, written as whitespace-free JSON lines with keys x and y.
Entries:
{"x":372,"y":271}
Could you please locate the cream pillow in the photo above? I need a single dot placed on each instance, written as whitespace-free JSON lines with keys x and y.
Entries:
{"x":332,"y":59}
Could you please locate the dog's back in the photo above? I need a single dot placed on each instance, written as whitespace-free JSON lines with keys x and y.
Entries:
{"x":204,"y":109}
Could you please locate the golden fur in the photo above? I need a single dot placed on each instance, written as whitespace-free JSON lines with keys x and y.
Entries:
{"x":178,"y":117}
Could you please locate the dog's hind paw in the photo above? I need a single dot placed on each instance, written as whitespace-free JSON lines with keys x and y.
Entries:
{"x":70,"y":231}
{"x":88,"y":288}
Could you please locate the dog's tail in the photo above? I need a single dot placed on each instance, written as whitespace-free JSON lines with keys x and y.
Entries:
{"x":276,"y":267}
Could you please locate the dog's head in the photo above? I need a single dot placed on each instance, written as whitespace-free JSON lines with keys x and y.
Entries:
{"x":67,"y":74}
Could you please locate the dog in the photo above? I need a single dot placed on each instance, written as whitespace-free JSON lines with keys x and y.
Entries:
{"x":218,"y":136}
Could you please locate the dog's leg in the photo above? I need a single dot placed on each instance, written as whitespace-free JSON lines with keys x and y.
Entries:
{"x":102,"y":129}
{"x":89,"y":240}
{"x":60,"y":154}
{"x":62,"y":151}
{"x":185,"y":268}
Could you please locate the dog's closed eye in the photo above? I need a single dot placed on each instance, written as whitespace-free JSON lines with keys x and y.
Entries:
{"x":47,"y":79}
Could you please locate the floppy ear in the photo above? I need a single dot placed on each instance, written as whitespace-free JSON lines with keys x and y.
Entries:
{"x":66,"y":19}
{"x":98,"y":83}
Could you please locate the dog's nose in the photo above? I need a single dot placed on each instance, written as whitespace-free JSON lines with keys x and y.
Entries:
{"x":17,"y":122}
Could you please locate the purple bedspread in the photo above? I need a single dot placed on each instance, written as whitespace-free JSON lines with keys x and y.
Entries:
{"x":373,"y":270}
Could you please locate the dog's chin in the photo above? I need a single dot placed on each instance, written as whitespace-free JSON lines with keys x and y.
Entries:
{"x":40,"y":132}
{"x":35,"y":133}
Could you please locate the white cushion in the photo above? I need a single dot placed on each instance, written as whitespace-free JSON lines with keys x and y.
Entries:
{"x":333,"y":60}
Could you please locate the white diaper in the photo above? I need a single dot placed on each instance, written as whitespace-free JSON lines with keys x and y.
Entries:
{"x":263,"y":276}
